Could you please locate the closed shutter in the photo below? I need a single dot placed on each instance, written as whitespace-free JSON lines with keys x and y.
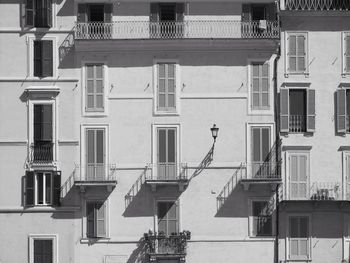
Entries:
{"x":82,"y":13}
{"x":29,"y":188}
{"x":166,"y":87}
{"x":154,"y":12}
{"x":341,"y":110}
{"x":37,"y":58}
{"x":108,"y":13}
{"x":100,"y":219}
{"x":29,"y":13}
{"x":271,"y":11}
{"x":56,"y":188}
{"x":94,"y":88}
{"x":166,"y":153}
{"x":311,"y":111}
{"x":260,"y":86}
{"x":299,"y":238}
{"x":284,"y":110}
{"x":90,"y":219}
{"x":49,"y":13}
{"x":47,"y":58}
{"x":298,"y":177}
{"x":347,"y":53}
{"x":168,"y":217}
{"x":301,"y":53}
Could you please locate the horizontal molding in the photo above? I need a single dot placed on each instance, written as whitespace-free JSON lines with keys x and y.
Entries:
{"x":18,"y":79}
{"x":190,"y":165}
{"x":214,"y":95}
{"x":131,"y":96}
{"x":20,"y":209}
{"x":36,"y":30}
{"x":296,"y":147}
{"x":68,"y":143}
{"x":13,"y":143}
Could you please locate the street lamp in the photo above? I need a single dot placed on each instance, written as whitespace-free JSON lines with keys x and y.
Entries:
{"x":214,"y":132}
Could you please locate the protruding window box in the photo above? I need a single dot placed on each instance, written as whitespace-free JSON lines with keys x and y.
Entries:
{"x":163,"y":174}
{"x":159,"y":246}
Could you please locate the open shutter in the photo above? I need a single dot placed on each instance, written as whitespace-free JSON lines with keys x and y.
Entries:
{"x":56,"y":188}
{"x":82,"y":13}
{"x":108,"y":10}
{"x":37,"y":58}
{"x":29,"y":13}
{"x":180,"y":12}
{"x":246,"y":12}
{"x":347,"y":53}
{"x":341,"y":110}
{"x":49,"y":13}
{"x":29,"y":188}
{"x":154,"y":12}
{"x":47,"y":58}
{"x":284,"y":110}
{"x":101,"y":219}
{"x":90,"y":222}
{"x":311,"y":112}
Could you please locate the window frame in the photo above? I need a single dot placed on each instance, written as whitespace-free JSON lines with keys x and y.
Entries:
{"x":177,"y":81}
{"x":106,"y":90}
{"x":36,"y":188}
{"x":288,"y":254}
{"x":166,"y":199}
{"x":307,"y":50}
{"x":344,"y":71}
{"x":24,"y":25}
{"x":251,"y":218}
{"x":107,"y":221}
{"x":53,"y":237}
{"x":30,"y":57}
{"x":346,"y":174}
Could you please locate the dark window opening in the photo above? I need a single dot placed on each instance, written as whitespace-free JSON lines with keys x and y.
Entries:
{"x":262,"y":220}
{"x":43,"y":251}
{"x":167,"y":12}
{"x":258,"y":12}
{"x":43,"y":58}
{"x":297,"y":110}
{"x":96,"y":13}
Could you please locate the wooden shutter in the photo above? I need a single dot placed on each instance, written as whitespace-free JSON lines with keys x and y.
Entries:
{"x":90,"y":219}
{"x":291,"y":53}
{"x":37,"y":58}
{"x":311,"y":111}
{"x":284,"y":110}
{"x":82,"y":13}
{"x":271,"y":11}
{"x":29,"y":13}
{"x":100,"y":219}
{"x":108,"y":13}
{"x":298,"y":178}
{"x":347,"y":53}
{"x":301,"y":53}
{"x":56,"y":188}
{"x":30,"y":188}
{"x":341,"y":110}
{"x":246,"y":12}
{"x":47,"y":58}
{"x":49,"y":13}
{"x":154,"y":12}
{"x":180,"y":12}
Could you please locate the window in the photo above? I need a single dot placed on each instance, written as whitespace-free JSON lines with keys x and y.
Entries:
{"x":346,"y":172}
{"x":343,"y":110}
{"x":43,"y":188}
{"x":43,"y":58}
{"x":42,"y":149}
{"x":260,"y":87}
{"x":298,"y":176}
{"x":296,"y":53}
{"x":97,"y":13}
{"x":42,"y":248}
{"x":297,"y":110}
{"x":261,"y":146}
{"x":346,"y":53}
{"x":96,"y":222}
{"x":261,"y":220}
{"x":38,"y":13}
{"x":299,"y":238}
{"x":168,"y":217}
{"x":166,"y":88}
{"x":95,"y":154}
{"x":94,"y":88}
{"x":166,"y":154}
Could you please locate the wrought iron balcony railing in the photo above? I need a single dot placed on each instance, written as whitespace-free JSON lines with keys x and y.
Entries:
{"x":190,"y":29}
{"x":297,"y":123}
{"x":41,"y":152}
{"x":97,"y":172}
{"x":167,"y":172}
{"x":263,"y":170}
{"x":317,"y":5}
{"x":173,"y":245}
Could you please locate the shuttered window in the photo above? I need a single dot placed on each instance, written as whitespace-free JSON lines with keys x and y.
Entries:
{"x":96,"y":219}
{"x":94,"y":88}
{"x":43,"y":58}
{"x":166,"y":153}
{"x":95,"y":154}
{"x":168,"y":217}
{"x":38,"y":13}
{"x":261,"y":219}
{"x":347,"y":53}
{"x":298,"y":176}
{"x":260,"y":86}
{"x":296,"y":53}
{"x":43,"y":251}
{"x":166,"y":91}
{"x":43,"y":123}
{"x":299,"y":242}
{"x":261,"y":145}
{"x":343,"y":110}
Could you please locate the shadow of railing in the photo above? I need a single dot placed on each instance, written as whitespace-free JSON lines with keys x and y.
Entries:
{"x":68,"y":184}
{"x":204,"y":163}
{"x":66,"y":49}
{"x":136,"y":187}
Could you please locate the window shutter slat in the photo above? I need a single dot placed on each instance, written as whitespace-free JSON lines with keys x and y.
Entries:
{"x":101,"y":220}
{"x":47,"y":58}
{"x":56,"y":188}
{"x":82,"y":13}
{"x":29,"y":13}
{"x":90,"y":216}
{"x":341,"y":111}
{"x":284,"y":110}
{"x":311,"y":111}
{"x":29,"y":188}
{"x":108,"y":13}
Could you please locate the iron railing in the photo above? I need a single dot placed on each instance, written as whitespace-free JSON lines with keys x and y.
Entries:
{"x":263,"y":170}
{"x":297,"y":123}
{"x":167,"y":171}
{"x":262,"y":225}
{"x":190,"y":29}
{"x":95,"y":172}
{"x":159,"y":244}
{"x":41,"y":152}
{"x":317,"y":5}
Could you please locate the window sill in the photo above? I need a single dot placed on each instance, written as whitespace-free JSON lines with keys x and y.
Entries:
{"x":87,"y":240}
{"x":260,"y":111}
{"x":166,"y":113}
{"x":262,"y":238}
{"x":95,"y":114}
{"x":305,"y":74}
{"x":39,"y":209}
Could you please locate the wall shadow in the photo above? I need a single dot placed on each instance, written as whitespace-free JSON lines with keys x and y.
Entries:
{"x":139,"y":255}
{"x":67,"y":9}
{"x":141,"y":204}
{"x":208,"y":158}
{"x":66,"y":52}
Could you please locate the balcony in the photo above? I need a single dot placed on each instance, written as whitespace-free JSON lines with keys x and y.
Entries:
{"x":159,"y":246}
{"x":297,"y":123}
{"x":316,"y":5}
{"x":41,"y":153}
{"x":167,"y":174}
{"x":190,"y":29}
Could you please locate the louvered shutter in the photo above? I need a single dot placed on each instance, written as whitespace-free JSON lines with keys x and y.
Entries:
{"x":341,"y":110}
{"x":284,"y":110}
{"x":292,"y":53}
{"x":101,"y":219}
{"x":37,"y":58}
{"x":311,"y":111}
{"x":108,"y":13}
{"x":90,"y":219}
{"x":347,"y":53}
{"x":29,"y":188}
{"x":246,"y":12}
{"x":56,"y":188}
{"x":29,"y":13}
{"x":82,"y":13}
{"x":49,"y":13}
{"x":47,"y":58}
{"x":301,"y":53}
{"x":180,"y":12}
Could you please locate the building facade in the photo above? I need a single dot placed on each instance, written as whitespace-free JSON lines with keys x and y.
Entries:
{"x":109,"y":153}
